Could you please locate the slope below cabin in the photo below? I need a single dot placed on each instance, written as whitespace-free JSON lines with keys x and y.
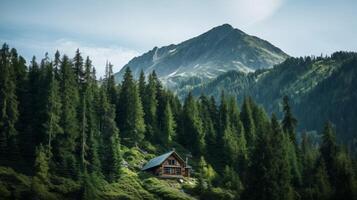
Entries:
{"x":168,"y":165}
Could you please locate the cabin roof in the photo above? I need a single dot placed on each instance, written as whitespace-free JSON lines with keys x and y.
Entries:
{"x":158,"y":160}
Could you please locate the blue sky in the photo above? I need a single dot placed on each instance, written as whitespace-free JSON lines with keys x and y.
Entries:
{"x":118,"y":30}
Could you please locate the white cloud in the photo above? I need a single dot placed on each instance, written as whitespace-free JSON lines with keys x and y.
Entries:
{"x":118,"y":56}
{"x":141,"y":23}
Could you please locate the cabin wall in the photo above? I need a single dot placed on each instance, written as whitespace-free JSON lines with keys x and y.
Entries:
{"x":172,"y":167}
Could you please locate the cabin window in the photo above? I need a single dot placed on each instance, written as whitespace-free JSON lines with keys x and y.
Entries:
{"x":178,"y":171}
{"x":171,"y":162}
{"x":167,"y":170}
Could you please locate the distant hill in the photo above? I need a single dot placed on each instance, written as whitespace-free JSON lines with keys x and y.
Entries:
{"x":205,"y":57}
{"x":321,"y":89}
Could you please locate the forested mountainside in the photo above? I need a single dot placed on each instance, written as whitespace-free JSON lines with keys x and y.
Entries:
{"x":206,"y":56}
{"x":65,"y":136}
{"x":320,"y":89}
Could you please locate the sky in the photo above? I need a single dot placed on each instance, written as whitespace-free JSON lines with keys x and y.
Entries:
{"x":118,"y":30}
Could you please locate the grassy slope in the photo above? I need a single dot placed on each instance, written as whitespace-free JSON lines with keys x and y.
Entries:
{"x":133,"y":184}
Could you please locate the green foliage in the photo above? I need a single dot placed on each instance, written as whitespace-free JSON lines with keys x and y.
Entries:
{"x":65,"y":137}
{"x":127,"y":187}
{"x":320,"y":89}
{"x":150,"y":103}
{"x":322,"y":188}
{"x":65,"y":146}
{"x":231,"y":180}
{"x":41,"y":164}
{"x":169,"y":126}
{"x":51,"y":125}
{"x":13,"y":184}
{"x":131,"y":110}
{"x":163,"y":191}
{"x":8,"y":105}
{"x":110,"y":146}
{"x":269,"y":175}
{"x":218,"y":194}
{"x":192,"y":135}
{"x":248,"y":122}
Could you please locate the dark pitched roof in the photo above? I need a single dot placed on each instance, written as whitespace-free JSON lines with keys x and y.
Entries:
{"x":158,"y":160}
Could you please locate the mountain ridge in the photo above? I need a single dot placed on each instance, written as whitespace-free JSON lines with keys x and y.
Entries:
{"x":204,"y":57}
{"x":320,"y":89}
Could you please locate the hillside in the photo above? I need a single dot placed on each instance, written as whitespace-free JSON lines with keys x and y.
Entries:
{"x":320,"y":89}
{"x":206,"y":56}
{"x":133,"y":184}
{"x":64,"y":135}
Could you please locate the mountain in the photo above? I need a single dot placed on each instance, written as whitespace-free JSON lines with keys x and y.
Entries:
{"x":205,"y":57}
{"x":320,"y":89}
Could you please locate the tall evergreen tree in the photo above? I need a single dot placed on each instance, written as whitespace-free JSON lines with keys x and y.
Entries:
{"x":78,"y":67}
{"x":322,"y":188}
{"x":289,"y":125}
{"x":238,"y":131}
{"x":65,"y":152}
{"x":8,"y":105}
{"x":53,"y":109}
{"x":150,"y":104}
{"x":329,"y":151}
{"x":248,"y":122}
{"x":289,"y":122}
{"x":90,"y":147}
{"x":169,"y":126}
{"x":269,"y":174}
{"x":131,"y":115}
{"x":142,"y":86}
{"x":110,"y":143}
{"x":209,"y":128}
{"x":110,"y":84}
{"x":192,"y":136}
{"x":346,"y":184}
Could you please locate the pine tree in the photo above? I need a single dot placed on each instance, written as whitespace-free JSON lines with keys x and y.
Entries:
{"x":31,"y":113}
{"x":321,"y":187}
{"x":329,"y":151}
{"x":247,"y":119}
{"x":209,"y":128}
{"x":41,"y":164}
{"x":281,"y":170}
{"x":131,"y":115}
{"x":150,"y":104}
{"x":53,"y":109}
{"x":289,"y":125}
{"x":206,"y":175}
{"x":21,"y":74}
{"x":269,"y":174}
{"x":289,"y":122}
{"x":308,"y":157}
{"x":65,"y":151}
{"x":110,"y":84}
{"x":238,"y":132}
{"x":169,"y":126}
{"x":192,"y":136}
{"x":162,"y":99}
{"x":346,"y":185}
{"x":231,"y":180}
{"x":142,"y":87}
{"x":8,"y":105}
{"x":90,"y":149}
{"x":78,"y":67}
{"x":110,"y":143}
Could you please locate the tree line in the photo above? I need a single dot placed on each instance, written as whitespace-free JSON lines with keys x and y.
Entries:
{"x":57,"y":118}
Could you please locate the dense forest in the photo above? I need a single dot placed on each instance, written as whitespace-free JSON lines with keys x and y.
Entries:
{"x":321,"y":89}
{"x":66,"y":135}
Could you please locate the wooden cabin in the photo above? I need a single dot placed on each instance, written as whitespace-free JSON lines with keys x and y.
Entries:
{"x":168,"y":165}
